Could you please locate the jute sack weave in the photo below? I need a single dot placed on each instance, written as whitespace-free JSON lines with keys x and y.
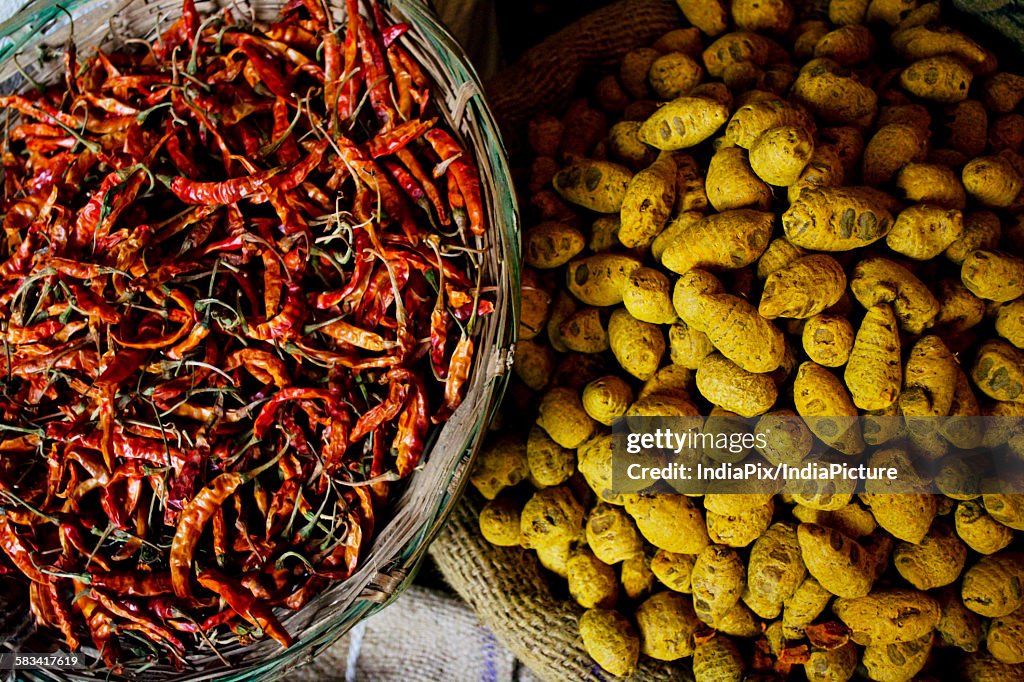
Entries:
{"x":507,"y":589}
{"x":545,"y":77}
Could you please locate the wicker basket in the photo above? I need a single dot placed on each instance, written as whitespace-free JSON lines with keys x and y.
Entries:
{"x":31,"y":44}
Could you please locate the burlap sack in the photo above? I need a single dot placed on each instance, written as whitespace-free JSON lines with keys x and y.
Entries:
{"x":507,"y":588}
{"x":1004,"y":17}
{"x":432,"y":636}
{"x":544,"y":78}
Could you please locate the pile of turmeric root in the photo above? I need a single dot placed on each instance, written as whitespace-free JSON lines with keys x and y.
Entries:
{"x":806,"y":217}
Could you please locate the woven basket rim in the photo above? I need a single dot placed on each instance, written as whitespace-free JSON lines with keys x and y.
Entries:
{"x":430,"y":495}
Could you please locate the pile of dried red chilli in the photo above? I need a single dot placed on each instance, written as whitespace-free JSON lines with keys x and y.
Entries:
{"x":237,"y":287}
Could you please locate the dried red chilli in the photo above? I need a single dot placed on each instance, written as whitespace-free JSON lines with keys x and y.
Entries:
{"x":225,"y":316}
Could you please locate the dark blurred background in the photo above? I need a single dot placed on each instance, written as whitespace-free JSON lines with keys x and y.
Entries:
{"x":522,"y":25}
